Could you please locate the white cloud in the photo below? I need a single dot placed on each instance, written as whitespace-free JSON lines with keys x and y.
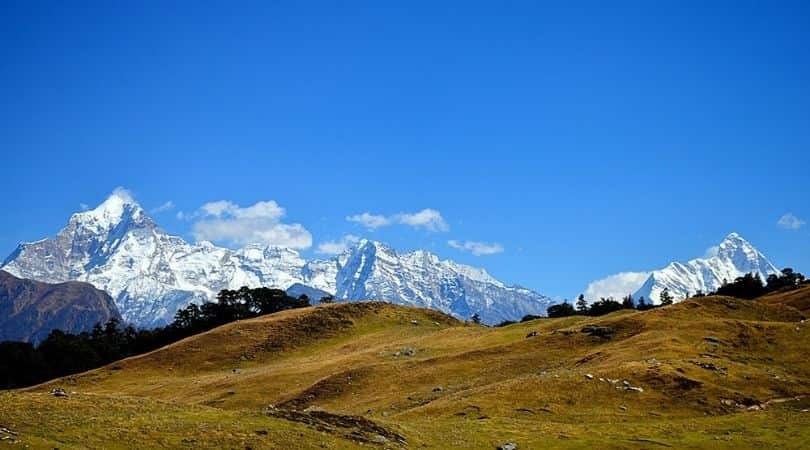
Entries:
{"x":616,"y":286}
{"x":124,"y":194}
{"x":168,"y":206}
{"x":268,"y":209}
{"x":225,"y":221}
{"x":711,"y":251}
{"x":218,"y":208}
{"x":476,"y":248}
{"x":337,"y":247}
{"x":427,"y":219}
{"x":790,"y":222}
{"x":84,"y":206}
{"x":370,"y":221}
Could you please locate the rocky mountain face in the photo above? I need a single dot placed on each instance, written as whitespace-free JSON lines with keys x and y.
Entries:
{"x":150,"y":274}
{"x":735,"y":257}
{"x":30,"y":310}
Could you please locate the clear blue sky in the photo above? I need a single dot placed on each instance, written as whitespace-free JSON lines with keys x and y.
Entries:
{"x":585,"y":140}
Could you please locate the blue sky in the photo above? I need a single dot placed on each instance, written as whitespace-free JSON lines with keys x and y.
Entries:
{"x":581,"y":140}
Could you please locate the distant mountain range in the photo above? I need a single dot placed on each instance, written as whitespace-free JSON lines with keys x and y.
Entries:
{"x":118,"y":248}
{"x":732,"y":258}
{"x":30,"y":310}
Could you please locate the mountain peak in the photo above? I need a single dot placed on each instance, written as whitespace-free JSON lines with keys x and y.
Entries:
{"x":735,"y":246}
{"x":734,"y":238}
{"x":116,"y":208}
{"x":369,"y":244}
{"x":734,"y":257}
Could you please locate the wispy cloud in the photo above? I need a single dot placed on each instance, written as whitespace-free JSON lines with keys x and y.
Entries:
{"x":370,"y":221}
{"x":84,"y":206}
{"x":168,"y":206}
{"x":427,"y":219}
{"x":124,"y":193}
{"x":790,"y":222}
{"x":476,"y":248}
{"x":225,"y":221}
{"x":337,"y":247}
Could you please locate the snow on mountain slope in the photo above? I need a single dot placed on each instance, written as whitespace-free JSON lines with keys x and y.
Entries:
{"x":735,"y":257}
{"x":151,"y":274}
{"x":373,"y":270}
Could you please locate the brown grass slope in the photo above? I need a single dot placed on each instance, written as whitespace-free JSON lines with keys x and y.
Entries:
{"x":715,"y":372}
{"x":797,"y":298}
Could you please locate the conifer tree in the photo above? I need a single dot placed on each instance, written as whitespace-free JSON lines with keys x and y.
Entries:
{"x":627,"y":302}
{"x":582,"y":305}
{"x":666,"y":297}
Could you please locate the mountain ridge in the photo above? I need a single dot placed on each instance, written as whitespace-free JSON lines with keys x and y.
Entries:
{"x":117,"y":247}
{"x":680,"y":376}
{"x":30,"y":310}
{"x":732,"y":258}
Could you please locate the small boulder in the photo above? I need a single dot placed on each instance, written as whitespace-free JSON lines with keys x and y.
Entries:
{"x":531,"y":334}
{"x":712,"y":339}
{"x":438,"y":389}
{"x":508,"y":446}
{"x":589,"y":376}
{"x":407,"y":351}
{"x":59,"y":392}
{"x":415,"y":322}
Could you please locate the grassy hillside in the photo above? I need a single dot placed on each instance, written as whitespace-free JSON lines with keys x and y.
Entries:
{"x":798,"y":298}
{"x":710,"y":372}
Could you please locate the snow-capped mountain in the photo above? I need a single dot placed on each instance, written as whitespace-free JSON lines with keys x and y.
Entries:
{"x":734,"y":258}
{"x":420,"y":278}
{"x":151,"y":274}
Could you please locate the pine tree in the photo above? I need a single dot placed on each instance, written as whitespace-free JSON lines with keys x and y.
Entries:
{"x":627,"y":302}
{"x":582,"y":305}
{"x":666,"y":297}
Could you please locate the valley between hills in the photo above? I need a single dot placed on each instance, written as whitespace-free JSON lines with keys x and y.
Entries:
{"x":712,"y":372}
